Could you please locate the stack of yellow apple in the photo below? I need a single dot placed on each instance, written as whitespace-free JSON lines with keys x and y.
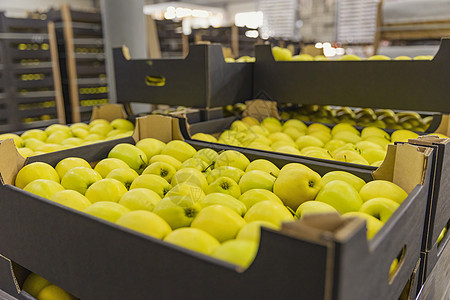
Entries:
{"x":42,"y":289}
{"x":202,"y":200}
{"x":343,"y":142}
{"x":59,"y":137}
{"x":284,"y":54}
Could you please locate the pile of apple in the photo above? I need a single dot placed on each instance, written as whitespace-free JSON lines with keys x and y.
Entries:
{"x":343,"y":142}
{"x":284,"y":54}
{"x":59,"y":137}
{"x":210,"y":202}
{"x":364,"y":117}
{"x":42,"y":289}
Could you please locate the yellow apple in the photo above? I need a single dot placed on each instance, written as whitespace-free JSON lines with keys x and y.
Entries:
{"x":80,"y":179}
{"x":189,"y":175}
{"x":106,"y":165}
{"x":269,"y":211}
{"x":69,"y":163}
{"x":167,"y":159}
{"x":35,"y":134}
{"x":179,"y":150}
{"x":80,"y":133}
{"x":383,"y":189}
{"x":232,"y":158}
{"x":373,"y":225}
{"x":100,"y":129}
{"x":145,"y":222}
{"x":317,"y":127}
{"x":252,"y":230}
{"x":256,"y":179}
{"x":177,"y":211}
{"x":72,"y":199}
{"x":314,"y":207}
{"x":308,"y":141}
{"x":140,"y":199}
{"x":344,"y":127}
{"x":106,"y":210}
{"x":263,"y":165}
{"x":238,"y":252}
{"x":378,"y":57}
{"x":194,"y":163}
{"x":33,"y":171}
{"x":350,"y":57}
{"x":374,"y":131}
{"x":351,"y":157}
{"x":321,"y":135}
{"x":125,"y":175}
{"x":403,"y":135}
{"x":107,"y":189}
{"x":130,"y":154}
{"x":281,"y":54}
{"x":98,"y":121}
{"x":374,"y":155}
{"x":34,"y":284}
{"x":25,"y":152}
{"x":238,"y":125}
{"x":43,"y":187}
{"x":341,"y":195}
{"x":402,"y":57}
{"x":251,"y":197}
{"x":380,"y":208}
{"x":122,"y":124}
{"x":224,"y":185}
{"x":153,"y":182}
{"x":225,"y":200}
{"x":57,"y":127}
{"x":351,"y":179}
{"x":271,"y":124}
{"x":208,"y":155}
{"x":194,"y":239}
{"x":79,"y":125}
{"x":333,"y":145}
{"x":162,"y":169}
{"x":52,"y":291}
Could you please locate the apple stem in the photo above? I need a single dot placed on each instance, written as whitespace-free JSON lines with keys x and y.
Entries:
{"x":209,"y":166}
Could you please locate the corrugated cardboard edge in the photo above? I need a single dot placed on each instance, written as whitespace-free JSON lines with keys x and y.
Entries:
{"x":108,"y":112}
{"x":324,"y":229}
{"x":386,"y":170}
{"x":10,"y":161}
{"x":163,"y":128}
{"x":444,"y":127}
{"x":13,"y":273}
{"x":261,"y":109}
{"x":429,"y":140}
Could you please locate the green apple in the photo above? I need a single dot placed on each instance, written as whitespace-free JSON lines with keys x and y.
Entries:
{"x":145,"y":222}
{"x":297,"y":184}
{"x":140,"y":199}
{"x":232,"y":158}
{"x":220,"y":221}
{"x":252,"y":230}
{"x":189,"y":175}
{"x":52,"y":291}
{"x":308,"y":141}
{"x":25,"y":152}
{"x":194,"y":163}
{"x":350,"y":57}
{"x":238,"y":125}
{"x":380,"y":208}
{"x":125,"y":175}
{"x":130,"y":154}
{"x":333,"y":145}
{"x":263,"y":165}
{"x":152,"y":182}
{"x":98,"y":121}
{"x":56,"y":127}
{"x":58,"y":137}
{"x":167,"y":159}
{"x":122,"y":124}
{"x":193,"y":239}
{"x":383,"y":189}
{"x":302,"y":57}
{"x":35,"y":134}
{"x":280,"y":54}
{"x":80,"y":133}
{"x":293,"y":132}
{"x":373,"y":155}
{"x":80,"y":179}
{"x":208,"y":155}
{"x":403,"y":135}
{"x":269,"y":211}
{"x":106,"y":210}
{"x":238,"y":252}
{"x":225,"y":200}
{"x":373,"y":225}
{"x":33,"y":143}
{"x":314,"y":207}
{"x":107,"y":189}
{"x":106,"y":165}
{"x":341,"y":195}
{"x":43,"y":187}
{"x":33,"y":171}
{"x":251,"y":197}
{"x":34,"y":284}
{"x":179,"y":150}
{"x":17,"y":139}
{"x":344,"y":127}
{"x":271,"y":124}
{"x":178,"y":211}
{"x":72,"y":199}
{"x":256,"y":179}
{"x":69,"y":163}
{"x":100,"y":129}
{"x":351,"y":157}
{"x":351,"y":179}
{"x":224,"y":185}
{"x":162,"y":169}
{"x":374,"y":131}
{"x":204,"y":137}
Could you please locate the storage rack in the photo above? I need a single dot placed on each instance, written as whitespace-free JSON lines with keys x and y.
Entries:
{"x":30,"y":85}
{"x":172,"y":41}
{"x":81,"y":49}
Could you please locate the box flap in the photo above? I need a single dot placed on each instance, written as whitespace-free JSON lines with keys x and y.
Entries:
{"x":261,"y":109}
{"x":429,"y":140}
{"x":10,"y":161}
{"x":444,"y":127}
{"x":108,"y":112}
{"x":163,"y":128}
{"x":410,"y":166}
{"x":386,"y":170}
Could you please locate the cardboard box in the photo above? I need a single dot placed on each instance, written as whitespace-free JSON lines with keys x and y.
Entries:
{"x":376,"y":84}
{"x":323,"y":257}
{"x":201,"y":80}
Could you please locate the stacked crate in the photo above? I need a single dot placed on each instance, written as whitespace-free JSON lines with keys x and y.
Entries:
{"x":30,"y":91}
{"x":81,"y":49}
{"x":172,"y":41}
